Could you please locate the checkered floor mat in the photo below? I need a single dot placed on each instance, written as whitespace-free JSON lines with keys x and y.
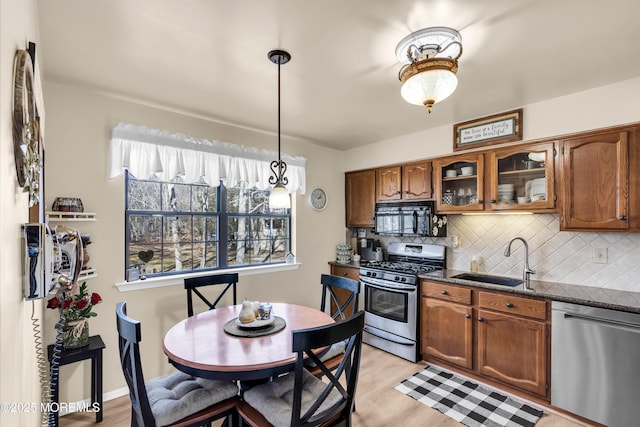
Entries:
{"x":469,"y":403}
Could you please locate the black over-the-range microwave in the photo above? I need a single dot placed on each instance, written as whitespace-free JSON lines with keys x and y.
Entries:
{"x":409,"y":219}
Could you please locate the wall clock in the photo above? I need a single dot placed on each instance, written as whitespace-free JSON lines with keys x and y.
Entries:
{"x":26,"y":130}
{"x":318,"y":199}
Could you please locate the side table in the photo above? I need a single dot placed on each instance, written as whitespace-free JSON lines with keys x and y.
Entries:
{"x":94,"y":352}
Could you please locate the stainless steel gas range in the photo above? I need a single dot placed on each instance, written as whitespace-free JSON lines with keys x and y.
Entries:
{"x":391,"y":296}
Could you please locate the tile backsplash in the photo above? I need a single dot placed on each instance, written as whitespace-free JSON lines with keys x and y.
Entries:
{"x":607,"y":260}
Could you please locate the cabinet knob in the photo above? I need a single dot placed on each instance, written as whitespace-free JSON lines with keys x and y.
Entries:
{"x":344,"y":273}
{"x":480,"y":202}
{"x":444,"y":292}
{"x":623,"y":217}
{"x":467,"y":316}
{"x":493,"y":200}
{"x":509,"y":305}
{"x":480,"y":319}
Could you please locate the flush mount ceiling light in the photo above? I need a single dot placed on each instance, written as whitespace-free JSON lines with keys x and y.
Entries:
{"x":430,"y":58}
{"x":279,"y":196}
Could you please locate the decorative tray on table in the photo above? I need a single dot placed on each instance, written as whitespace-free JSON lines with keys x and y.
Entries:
{"x":257,"y":328}
{"x":256,"y":324}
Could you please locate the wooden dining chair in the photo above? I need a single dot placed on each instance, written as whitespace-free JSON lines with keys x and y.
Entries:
{"x":299,"y":398}
{"x":192,"y":284}
{"x":176,"y":400}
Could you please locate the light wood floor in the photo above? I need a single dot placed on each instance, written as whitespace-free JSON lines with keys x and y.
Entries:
{"x":378,"y":404}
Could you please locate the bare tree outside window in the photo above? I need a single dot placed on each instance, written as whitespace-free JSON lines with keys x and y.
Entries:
{"x":187,"y":227}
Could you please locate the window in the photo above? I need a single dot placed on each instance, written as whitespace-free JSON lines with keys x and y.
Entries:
{"x":173,"y":227}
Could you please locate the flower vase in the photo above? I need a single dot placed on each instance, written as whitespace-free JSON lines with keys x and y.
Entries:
{"x":75,"y":334}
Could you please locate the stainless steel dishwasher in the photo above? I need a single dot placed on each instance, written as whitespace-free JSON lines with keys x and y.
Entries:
{"x":595,"y":363}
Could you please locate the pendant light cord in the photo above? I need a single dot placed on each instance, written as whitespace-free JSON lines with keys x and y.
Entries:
{"x":279,"y":158}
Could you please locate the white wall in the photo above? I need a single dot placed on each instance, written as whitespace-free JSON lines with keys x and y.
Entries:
{"x":596,"y":108}
{"x":19,"y":374}
{"x":79,"y":124}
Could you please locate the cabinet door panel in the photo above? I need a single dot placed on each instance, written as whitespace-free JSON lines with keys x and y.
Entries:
{"x":360,"y":198}
{"x":447,"y":332}
{"x":455,"y":190}
{"x":513,"y":350}
{"x":595,"y":182}
{"x":388,"y":181}
{"x":416,"y":181}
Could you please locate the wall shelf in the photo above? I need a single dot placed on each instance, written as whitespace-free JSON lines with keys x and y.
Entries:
{"x":57,"y":216}
{"x":70,"y":216}
{"x":87,"y":273}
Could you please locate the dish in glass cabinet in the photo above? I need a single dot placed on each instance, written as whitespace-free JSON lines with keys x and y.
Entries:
{"x":256,"y":324}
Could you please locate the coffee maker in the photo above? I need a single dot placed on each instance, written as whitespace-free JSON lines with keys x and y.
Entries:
{"x":368,"y":248}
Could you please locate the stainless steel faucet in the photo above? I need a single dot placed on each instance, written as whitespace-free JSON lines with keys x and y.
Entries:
{"x":527,"y":270}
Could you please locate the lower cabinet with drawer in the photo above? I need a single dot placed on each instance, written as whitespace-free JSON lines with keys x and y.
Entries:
{"x":497,"y":336}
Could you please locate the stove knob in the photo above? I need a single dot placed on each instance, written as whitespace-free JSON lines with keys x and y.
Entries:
{"x":397,"y":278}
{"x":403,"y":279}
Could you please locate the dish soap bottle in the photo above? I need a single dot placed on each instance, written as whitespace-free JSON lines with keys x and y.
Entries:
{"x":474,"y":264}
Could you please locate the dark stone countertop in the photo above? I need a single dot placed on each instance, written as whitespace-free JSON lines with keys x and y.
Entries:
{"x":577,"y":294}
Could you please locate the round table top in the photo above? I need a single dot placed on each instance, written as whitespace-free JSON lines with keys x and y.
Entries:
{"x":200,"y":343}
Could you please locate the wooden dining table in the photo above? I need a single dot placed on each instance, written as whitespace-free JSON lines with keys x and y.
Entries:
{"x":199,"y":345}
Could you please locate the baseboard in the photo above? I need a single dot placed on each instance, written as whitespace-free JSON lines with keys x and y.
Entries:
{"x":86,"y":403}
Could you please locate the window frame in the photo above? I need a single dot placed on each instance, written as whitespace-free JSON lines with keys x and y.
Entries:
{"x":222,"y":216}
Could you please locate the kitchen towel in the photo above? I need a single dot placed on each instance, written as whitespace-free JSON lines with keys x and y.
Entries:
{"x":463,"y":400}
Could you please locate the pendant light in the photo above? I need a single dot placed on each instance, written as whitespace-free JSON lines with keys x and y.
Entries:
{"x":431,"y":57}
{"x":279,"y":197}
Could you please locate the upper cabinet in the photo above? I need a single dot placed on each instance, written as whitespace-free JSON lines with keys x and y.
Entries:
{"x":388,"y":184}
{"x":459,"y":183}
{"x":522,"y":177}
{"x":595,"y":182}
{"x":416,"y":181}
{"x":411,"y":181}
{"x":360,"y":198}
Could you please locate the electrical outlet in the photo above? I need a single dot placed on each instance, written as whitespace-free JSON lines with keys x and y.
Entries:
{"x":599,"y":256}
{"x":454,"y":241}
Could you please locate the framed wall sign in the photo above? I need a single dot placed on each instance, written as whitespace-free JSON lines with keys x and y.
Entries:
{"x":490,"y":130}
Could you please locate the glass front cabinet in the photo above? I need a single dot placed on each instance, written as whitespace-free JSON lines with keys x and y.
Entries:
{"x":522,"y":177}
{"x":459,"y":183}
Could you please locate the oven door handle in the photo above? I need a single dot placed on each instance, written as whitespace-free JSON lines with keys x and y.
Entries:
{"x":388,"y":337}
{"x":387,"y":286}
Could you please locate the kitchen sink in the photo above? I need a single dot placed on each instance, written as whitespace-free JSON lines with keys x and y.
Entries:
{"x":487,"y":278}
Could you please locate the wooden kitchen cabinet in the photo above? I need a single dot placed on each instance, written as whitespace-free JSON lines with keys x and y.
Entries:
{"x":595,"y":182}
{"x":500,"y":337}
{"x":360,"y":198}
{"x":513,"y":341}
{"x":411,"y":181}
{"x":447,"y":324}
{"x":342,"y":294}
{"x":459,"y":183}
{"x":416,"y":181}
{"x":522,"y":177}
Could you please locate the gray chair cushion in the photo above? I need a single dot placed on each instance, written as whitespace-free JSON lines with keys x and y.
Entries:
{"x":274,"y":400}
{"x":334,"y":350}
{"x":179,"y":395}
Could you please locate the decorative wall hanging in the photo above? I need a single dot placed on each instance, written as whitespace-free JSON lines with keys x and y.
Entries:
{"x":26,"y":129}
{"x":490,"y":130}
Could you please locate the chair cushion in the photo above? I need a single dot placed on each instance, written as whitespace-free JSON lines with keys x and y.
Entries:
{"x":334,"y":350}
{"x":179,"y":395}
{"x":274,"y":400}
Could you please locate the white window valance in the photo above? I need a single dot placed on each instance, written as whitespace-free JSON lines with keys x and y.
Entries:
{"x":147,"y":152}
